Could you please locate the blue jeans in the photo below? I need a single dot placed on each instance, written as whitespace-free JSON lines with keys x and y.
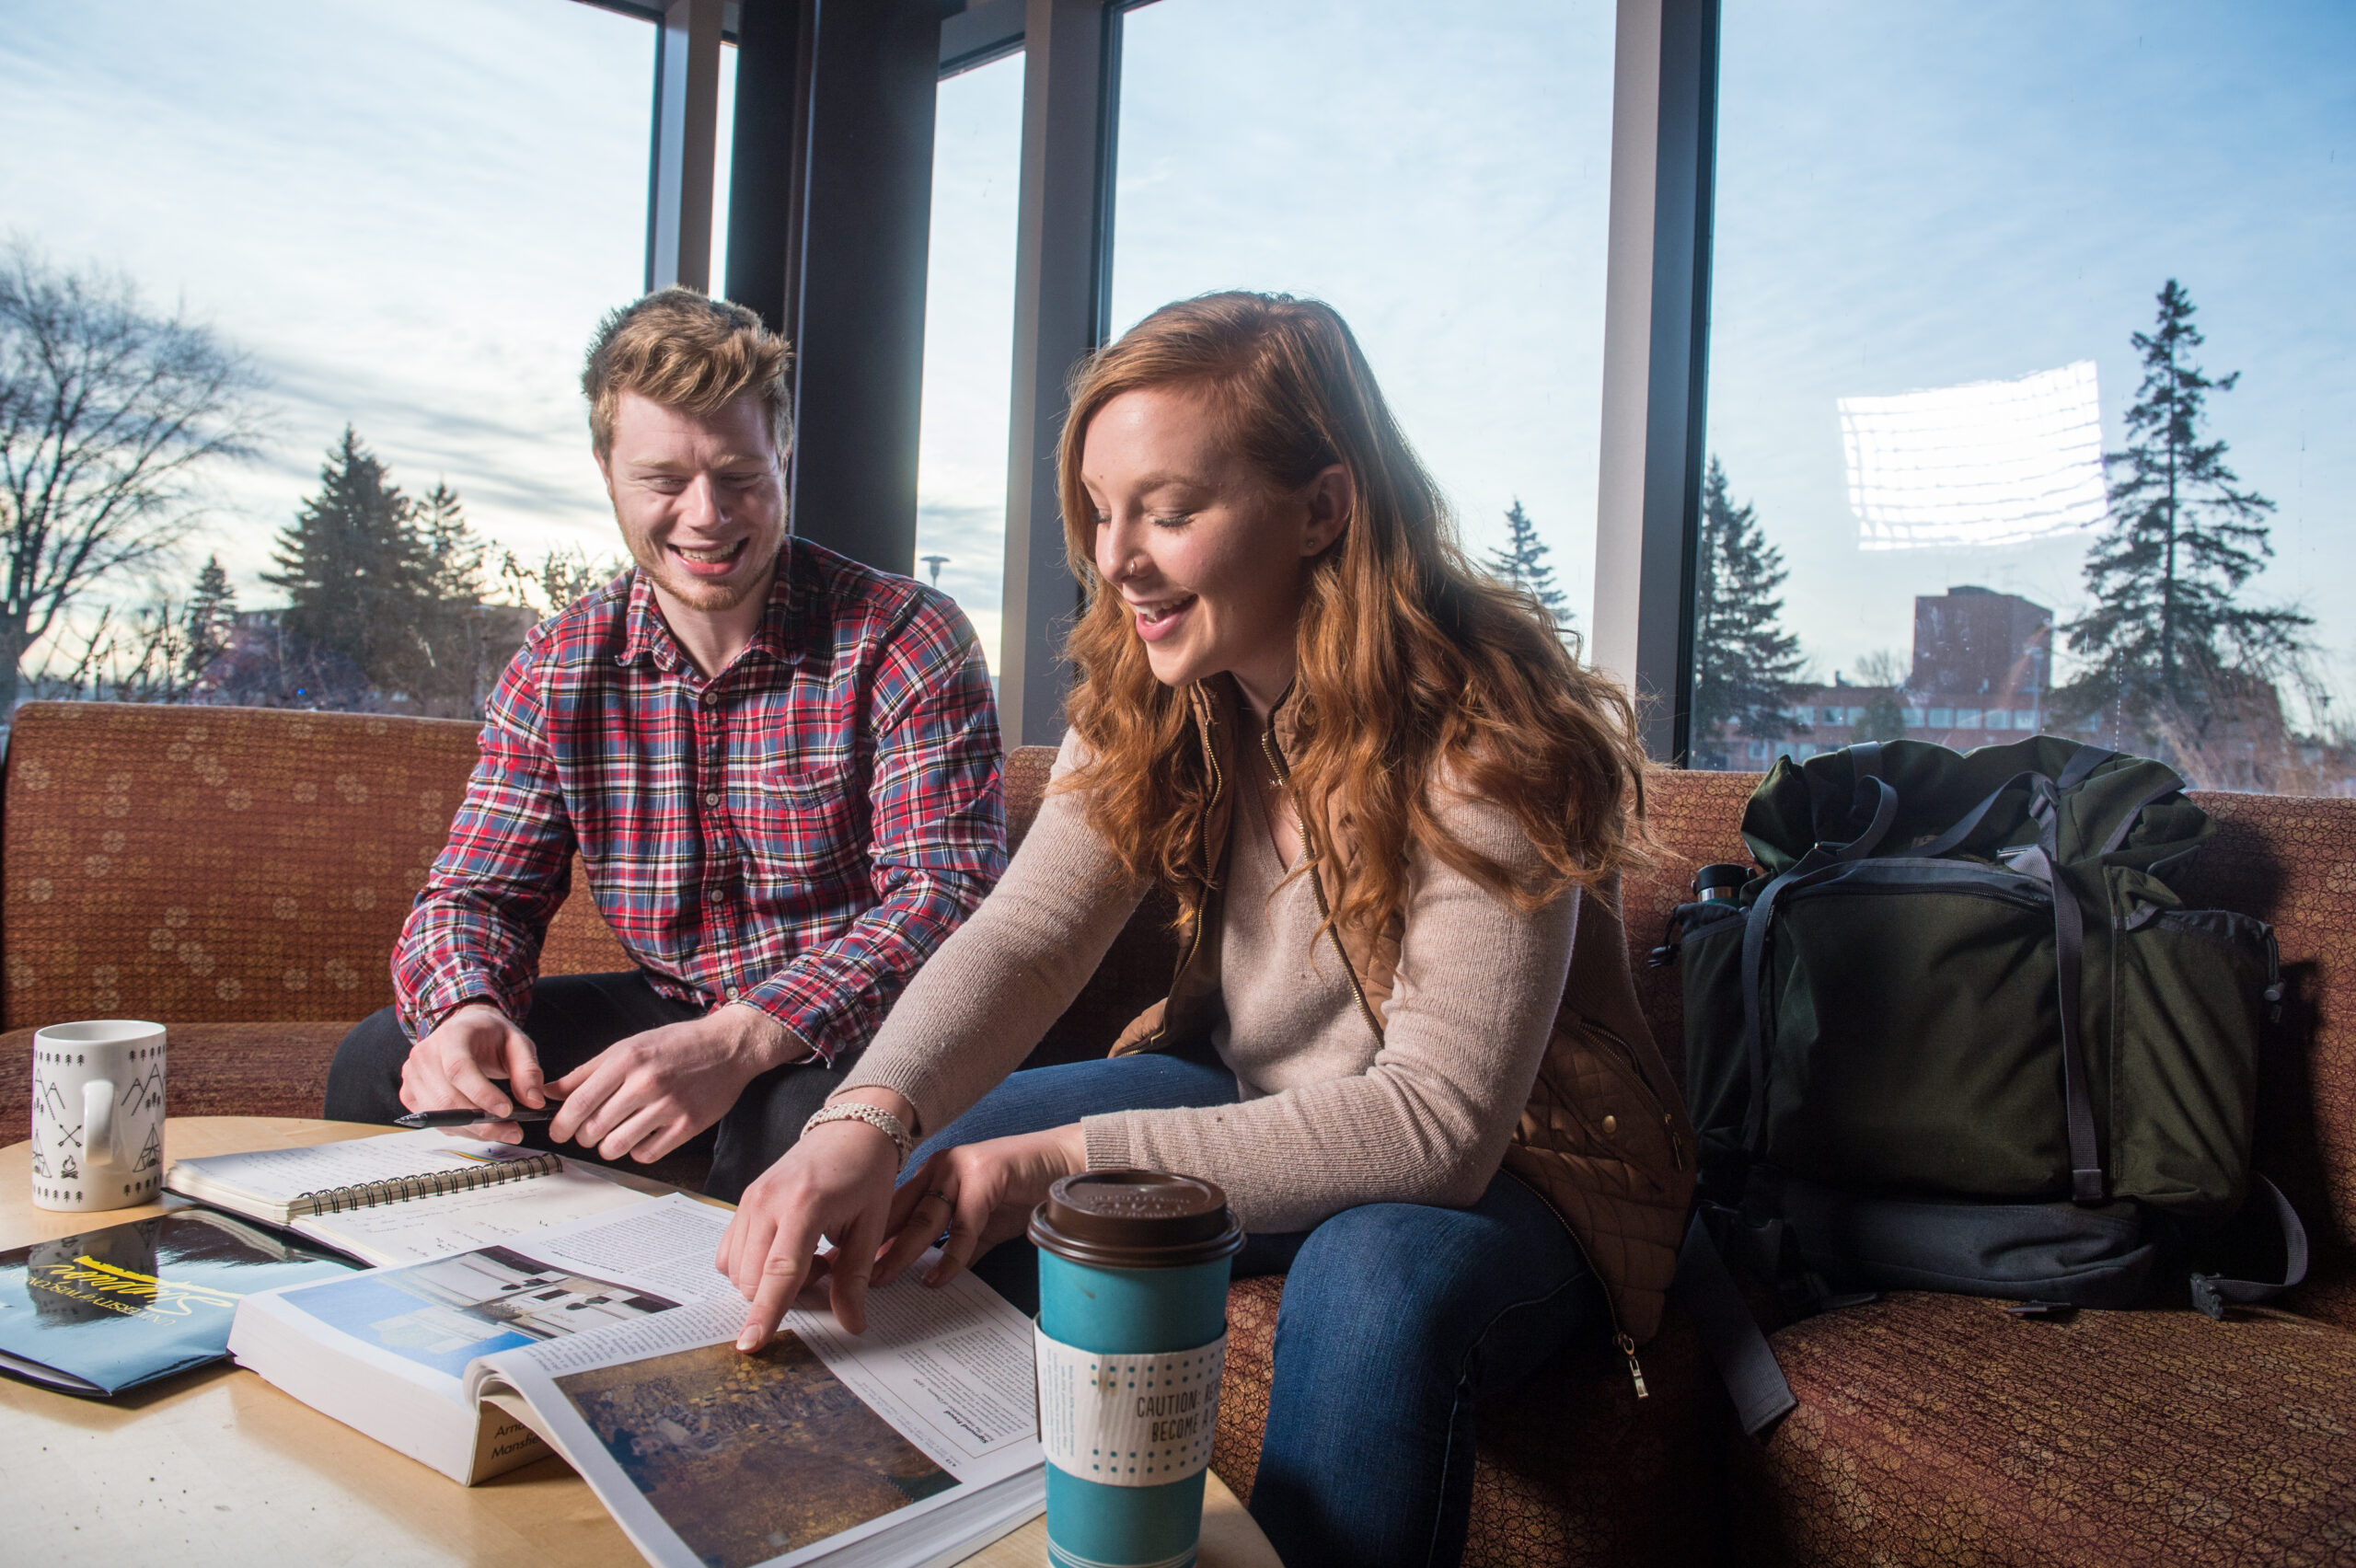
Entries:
{"x":1395,"y":1318}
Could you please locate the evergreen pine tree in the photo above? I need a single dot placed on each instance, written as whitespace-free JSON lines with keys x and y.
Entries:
{"x":454,"y":554}
{"x":447,"y":629}
{"x":1522,"y":562}
{"x":1745,"y":665}
{"x":2165,"y":640}
{"x":210,"y":615}
{"x":354,"y":568}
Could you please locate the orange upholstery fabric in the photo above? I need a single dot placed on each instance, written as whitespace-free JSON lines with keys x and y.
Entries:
{"x":226,"y":865}
{"x":1135,"y":972}
{"x":1935,"y":1429}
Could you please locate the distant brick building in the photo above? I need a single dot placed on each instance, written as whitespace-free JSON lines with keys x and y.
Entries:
{"x":1981,"y":669}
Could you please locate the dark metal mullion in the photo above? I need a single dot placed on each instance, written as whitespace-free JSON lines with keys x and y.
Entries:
{"x":832,"y":186}
{"x":654,"y":153}
{"x":1649,"y":531}
{"x":767,"y":170}
{"x":1063,"y":260}
{"x":984,"y":31}
{"x":1689,"y":104}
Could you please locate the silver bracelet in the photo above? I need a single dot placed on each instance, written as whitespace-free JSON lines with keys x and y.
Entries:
{"x":875,"y":1116}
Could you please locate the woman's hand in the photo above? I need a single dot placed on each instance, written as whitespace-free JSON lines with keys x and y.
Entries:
{"x":835,"y":1183}
{"x":983,"y":1193}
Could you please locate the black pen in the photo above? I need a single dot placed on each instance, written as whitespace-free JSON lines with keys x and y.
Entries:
{"x":467,"y":1118}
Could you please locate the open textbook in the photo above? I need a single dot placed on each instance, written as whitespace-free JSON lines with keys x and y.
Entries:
{"x":611,"y":1339}
{"x":401,"y":1196}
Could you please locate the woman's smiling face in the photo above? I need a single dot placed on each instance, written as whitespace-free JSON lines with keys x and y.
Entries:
{"x":1208,"y":554}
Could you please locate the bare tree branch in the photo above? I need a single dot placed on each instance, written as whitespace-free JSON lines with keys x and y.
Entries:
{"x":109,"y":417}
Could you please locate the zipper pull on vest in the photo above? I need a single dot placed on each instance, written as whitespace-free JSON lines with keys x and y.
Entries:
{"x":1635,"y":1370}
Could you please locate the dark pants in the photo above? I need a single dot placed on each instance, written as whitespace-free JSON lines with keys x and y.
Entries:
{"x":572,"y":1018}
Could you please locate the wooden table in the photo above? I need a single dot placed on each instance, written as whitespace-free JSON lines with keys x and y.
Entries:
{"x":219,"y":1467}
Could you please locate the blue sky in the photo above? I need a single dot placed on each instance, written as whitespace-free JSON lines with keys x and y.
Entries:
{"x":411,"y":216}
{"x":1914,"y":196}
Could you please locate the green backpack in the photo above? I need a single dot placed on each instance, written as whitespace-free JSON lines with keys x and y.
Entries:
{"x":1959,"y":1032}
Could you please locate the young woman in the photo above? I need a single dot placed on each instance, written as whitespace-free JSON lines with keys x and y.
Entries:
{"x":1402,"y":1038}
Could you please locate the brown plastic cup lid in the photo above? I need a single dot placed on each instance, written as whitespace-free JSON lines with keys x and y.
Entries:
{"x":1137,"y":1219}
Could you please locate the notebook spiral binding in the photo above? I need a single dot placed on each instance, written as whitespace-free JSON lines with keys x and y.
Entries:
{"x":398,"y":1188}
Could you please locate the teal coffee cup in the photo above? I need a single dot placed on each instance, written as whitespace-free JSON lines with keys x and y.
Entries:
{"x":1131,"y":1340}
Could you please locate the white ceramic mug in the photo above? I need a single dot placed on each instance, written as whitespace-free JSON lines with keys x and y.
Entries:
{"x":97,"y":1114}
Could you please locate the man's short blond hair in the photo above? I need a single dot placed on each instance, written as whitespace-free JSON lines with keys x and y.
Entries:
{"x":686,"y":351}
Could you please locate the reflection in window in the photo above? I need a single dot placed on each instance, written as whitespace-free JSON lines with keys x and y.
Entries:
{"x":406,"y":220}
{"x":969,"y":341}
{"x":1439,"y":176}
{"x":1992,"y":463}
{"x":1977,"y":315}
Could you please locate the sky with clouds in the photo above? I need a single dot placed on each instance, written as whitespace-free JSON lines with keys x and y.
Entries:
{"x":1926,"y":196}
{"x":411,"y":216}
{"x":408,"y":216}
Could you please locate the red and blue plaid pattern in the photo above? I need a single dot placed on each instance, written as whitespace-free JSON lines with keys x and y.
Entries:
{"x":798,"y":833}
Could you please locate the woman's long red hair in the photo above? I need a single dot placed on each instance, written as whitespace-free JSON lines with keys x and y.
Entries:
{"x":1414,"y":664}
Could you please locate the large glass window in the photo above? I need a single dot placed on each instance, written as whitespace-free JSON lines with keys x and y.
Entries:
{"x":403,"y":221}
{"x":1439,"y":175}
{"x":2031,"y":405}
{"x":969,"y":341}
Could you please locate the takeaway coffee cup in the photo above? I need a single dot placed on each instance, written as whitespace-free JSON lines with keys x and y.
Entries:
{"x":1131,"y":1340}
{"x":98,"y":1125}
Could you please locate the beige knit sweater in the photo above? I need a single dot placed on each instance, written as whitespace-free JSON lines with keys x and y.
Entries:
{"x":1330,"y":1116}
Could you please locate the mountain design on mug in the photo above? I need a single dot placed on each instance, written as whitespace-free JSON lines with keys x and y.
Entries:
{"x":140,"y":1094}
{"x":51,"y":1104}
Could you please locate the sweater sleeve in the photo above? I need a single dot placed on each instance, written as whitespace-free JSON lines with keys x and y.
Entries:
{"x":1429,"y":1121}
{"x":991,"y":991}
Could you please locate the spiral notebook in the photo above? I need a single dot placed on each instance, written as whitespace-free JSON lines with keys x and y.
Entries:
{"x":402,"y":1196}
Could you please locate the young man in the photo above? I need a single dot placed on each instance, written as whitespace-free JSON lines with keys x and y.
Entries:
{"x":780,"y":769}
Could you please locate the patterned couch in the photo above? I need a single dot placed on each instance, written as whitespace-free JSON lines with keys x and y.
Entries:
{"x":240,"y":875}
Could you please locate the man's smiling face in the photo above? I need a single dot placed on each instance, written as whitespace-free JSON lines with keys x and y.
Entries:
{"x":700,"y":499}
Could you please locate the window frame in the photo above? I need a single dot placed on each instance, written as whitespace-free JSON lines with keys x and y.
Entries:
{"x":809,"y":95}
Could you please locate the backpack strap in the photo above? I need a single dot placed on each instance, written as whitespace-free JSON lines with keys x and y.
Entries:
{"x":2213,"y":1293}
{"x":2069,"y":952}
{"x":1754,"y":939}
{"x":1745,"y":1361}
{"x":2085,"y":762}
{"x":2127,"y":823}
{"x":1968,"y":823}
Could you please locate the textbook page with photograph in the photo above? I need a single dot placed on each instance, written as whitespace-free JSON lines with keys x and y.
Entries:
{"x":387,"y":1351}
{"x":914,"y":1443}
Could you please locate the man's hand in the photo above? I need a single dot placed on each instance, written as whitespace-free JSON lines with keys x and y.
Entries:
{"x":646,"y":1095}
{"x":453,"y":1066}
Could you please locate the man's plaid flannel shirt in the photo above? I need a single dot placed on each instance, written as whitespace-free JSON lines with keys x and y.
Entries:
{"x":798,"y":833}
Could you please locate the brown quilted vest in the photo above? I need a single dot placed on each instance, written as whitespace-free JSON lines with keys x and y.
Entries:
{"x":1604,"y":1139}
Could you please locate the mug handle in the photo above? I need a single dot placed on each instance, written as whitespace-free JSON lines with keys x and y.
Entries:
{"x":97,"y":1123}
